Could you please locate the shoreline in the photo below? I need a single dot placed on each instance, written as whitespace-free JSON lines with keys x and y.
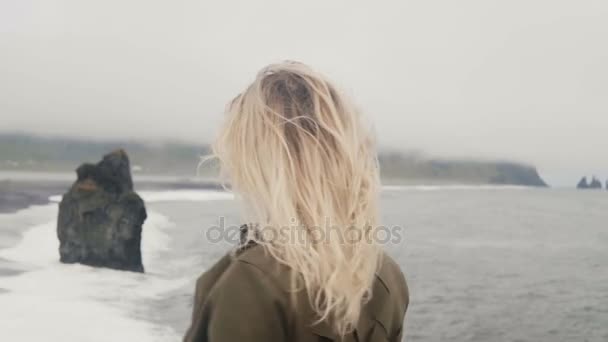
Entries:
{"x":21,"y":190}
{"x":19,"y":195}
{"x":16,"y":195}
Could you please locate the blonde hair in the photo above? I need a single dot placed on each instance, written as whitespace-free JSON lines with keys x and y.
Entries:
{"x":299,"y":155}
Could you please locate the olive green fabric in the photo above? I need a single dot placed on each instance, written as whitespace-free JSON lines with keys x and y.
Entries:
{"x":245,"y":297}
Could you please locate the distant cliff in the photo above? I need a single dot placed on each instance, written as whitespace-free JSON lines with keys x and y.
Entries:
{"x":23,"y":152}
{"x":33,"y":153}
{"x":417,"y":169}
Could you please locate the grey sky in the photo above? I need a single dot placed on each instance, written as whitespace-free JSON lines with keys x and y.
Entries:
{"x":519,"y":79}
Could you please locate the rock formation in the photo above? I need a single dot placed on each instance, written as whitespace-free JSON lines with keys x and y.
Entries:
{"x":595,"y":183}
{"x":508,"y":173}
{"x":582,"y":184}
{"x":418,"y":169}
{"x":101,"y":217}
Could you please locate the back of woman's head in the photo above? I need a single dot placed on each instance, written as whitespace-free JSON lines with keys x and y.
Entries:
{"x":296,"y":151}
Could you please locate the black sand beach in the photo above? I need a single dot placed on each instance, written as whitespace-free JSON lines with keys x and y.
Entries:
{"x":17,"y":194}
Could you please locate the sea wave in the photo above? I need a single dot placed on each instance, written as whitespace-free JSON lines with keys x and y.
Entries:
{"x":58,"y":302}
{"x":176,"y":195}
{"x":185,"y":195}
{"x":451,"y":187}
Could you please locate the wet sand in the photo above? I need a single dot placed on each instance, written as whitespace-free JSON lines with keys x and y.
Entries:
{"x":7,"y":270}
{"x":16,"y":195}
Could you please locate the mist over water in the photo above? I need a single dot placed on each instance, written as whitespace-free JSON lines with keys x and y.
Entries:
{"x":516,"y":80}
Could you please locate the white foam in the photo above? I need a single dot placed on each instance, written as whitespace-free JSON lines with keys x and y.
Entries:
{"x":55,"y":198}
{"x":58,"y":302}
{"x":13,"y":224}
{"x":451,"y":187}
{"x":176,"y":195}
{"x":185,"y":195}
{"x":27,"y":217}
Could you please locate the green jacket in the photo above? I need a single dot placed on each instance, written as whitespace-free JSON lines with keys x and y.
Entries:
{"x":244,"y":297}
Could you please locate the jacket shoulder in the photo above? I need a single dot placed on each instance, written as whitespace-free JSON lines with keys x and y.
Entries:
{"x":233,"y":292}
{"x":209,"y":278}
{"x":393,"y":279}
{"x":258,"y":258}
{"x":390,"y":297}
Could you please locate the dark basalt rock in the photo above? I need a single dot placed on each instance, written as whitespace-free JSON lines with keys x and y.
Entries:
{"x":582,"y":184}
{"x":101,"y":217}
{"x":595,"y":184}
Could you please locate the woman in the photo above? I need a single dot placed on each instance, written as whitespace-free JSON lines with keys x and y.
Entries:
{"x":297,"y":154}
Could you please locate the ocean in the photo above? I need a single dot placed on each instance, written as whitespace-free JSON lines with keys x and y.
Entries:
{"x":482,"y":264}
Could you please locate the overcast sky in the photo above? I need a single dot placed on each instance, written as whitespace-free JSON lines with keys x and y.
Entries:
{"x":519,"y":79}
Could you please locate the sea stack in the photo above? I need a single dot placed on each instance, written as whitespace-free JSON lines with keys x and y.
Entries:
{"x":595,"y":183}
{"x":582,"y":184}
{"x":101,"y":217}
